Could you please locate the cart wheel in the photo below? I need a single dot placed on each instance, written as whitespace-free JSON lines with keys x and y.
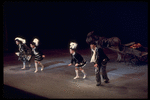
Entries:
{"x":127,"y":58}
{"x":144,"y":58}
{"x":130,"y":59}
{"x":134,"y":61}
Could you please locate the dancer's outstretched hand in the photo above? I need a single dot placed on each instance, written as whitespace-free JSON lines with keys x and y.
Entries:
{"x":76,"y":64}
{"x":17,"y":53}
{"x":95,"y":65}
{"x":69,"y":64}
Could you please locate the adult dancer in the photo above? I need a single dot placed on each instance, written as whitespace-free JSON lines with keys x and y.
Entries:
{"x":100,"y":60}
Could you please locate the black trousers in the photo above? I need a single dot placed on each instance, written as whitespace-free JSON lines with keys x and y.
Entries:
{"x":104,"y":73}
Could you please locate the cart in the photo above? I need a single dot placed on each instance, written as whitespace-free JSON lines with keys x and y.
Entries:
{"x":133,"y":56}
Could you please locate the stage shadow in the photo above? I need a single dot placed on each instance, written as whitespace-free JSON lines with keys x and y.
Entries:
{"x":19,"y":68}
{"x":118,"y":89}
{"x":52,"y":63}
{"x":13,"y":93}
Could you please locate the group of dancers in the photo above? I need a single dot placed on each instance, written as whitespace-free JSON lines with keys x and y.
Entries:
{"x":25,"y":53}
{"x":99,"y":59}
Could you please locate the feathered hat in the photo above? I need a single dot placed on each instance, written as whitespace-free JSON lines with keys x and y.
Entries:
{"x":73,"y":45}
{"x":36,"y":41}
{"x":20,"y":39}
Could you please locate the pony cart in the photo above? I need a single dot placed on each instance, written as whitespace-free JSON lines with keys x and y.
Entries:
{"x":133,"y":55}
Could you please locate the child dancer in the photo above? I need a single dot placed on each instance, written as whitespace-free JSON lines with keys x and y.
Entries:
{"x":38,"y":54}
{"x":78,"y":59}
{"x":24,"y":51}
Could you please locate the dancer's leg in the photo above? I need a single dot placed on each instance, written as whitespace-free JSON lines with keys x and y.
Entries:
{"x":82,"y":70}
{"x":36,"y":66}
{"x":24,"y":65}
{"x":42,"y":66}
{"x":77,"y":75}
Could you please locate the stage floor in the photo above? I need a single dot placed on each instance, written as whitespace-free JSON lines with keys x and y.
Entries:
{"x":56,"y":80}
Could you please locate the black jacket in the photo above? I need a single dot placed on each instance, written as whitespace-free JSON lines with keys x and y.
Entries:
{"x":100,"y":55}
{"x":77,"y":58}
{"x":37,"y":51}
{"x":24,"y":49}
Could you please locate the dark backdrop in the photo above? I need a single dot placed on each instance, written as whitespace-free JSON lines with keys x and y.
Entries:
{"x":58,"y":23}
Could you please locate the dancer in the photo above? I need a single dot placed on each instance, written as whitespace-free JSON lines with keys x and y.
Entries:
{"x":38,"y":54}
{"x":78,"y":59}
{"x":100,"y":60}
{"x":24,"y":53}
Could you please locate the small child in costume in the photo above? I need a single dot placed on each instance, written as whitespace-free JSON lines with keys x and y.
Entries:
{"x":24,"y":53}
{"x":38,"y":54}
{"x":78,"y":59}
